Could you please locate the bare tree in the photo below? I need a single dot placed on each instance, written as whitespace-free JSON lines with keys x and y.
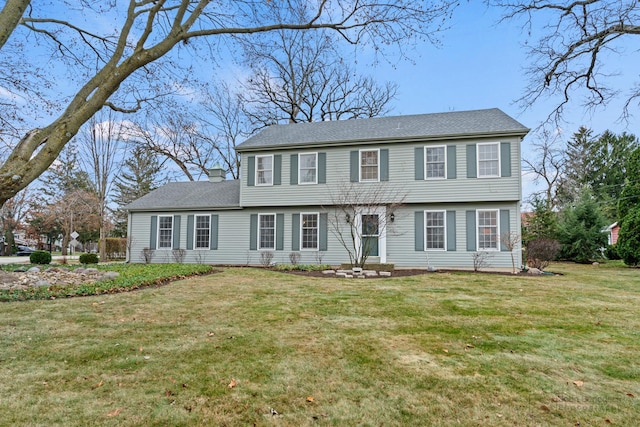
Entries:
{"x":573,"y":55}
{"x":547,"y":164}
{"x":147,"y":31}
{"x":301,"y":77}
{"x":101,"y":154}
{"x":360,"y":214}
{"x":510,"y":240}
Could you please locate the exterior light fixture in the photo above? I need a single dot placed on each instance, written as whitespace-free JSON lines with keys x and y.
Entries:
{"x":392,"y":217}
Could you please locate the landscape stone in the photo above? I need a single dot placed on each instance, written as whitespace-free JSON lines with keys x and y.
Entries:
{"x":33,"y":270}
{"x":328,"y":272}
{"x":109,"y":275}
{"x":41,"y":284}
{"x":385,"y":273}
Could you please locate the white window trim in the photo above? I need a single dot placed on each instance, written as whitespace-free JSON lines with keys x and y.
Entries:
{"x":444,"y":216}
{"x":317,"y":248}
{"x":195,"y":233}
{"x":478,"y":159}
{"x":300,"y":168}
{"x":275,"y":232}
{"x":158,"y":233}
{"x":257,"y":181}
{"x":425,"y":162}
{"x":497,"y":248}
{"x":360,"y":165}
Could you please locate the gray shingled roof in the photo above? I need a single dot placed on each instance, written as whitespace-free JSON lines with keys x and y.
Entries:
{"x":190,"y":195}
{"x":424,"y":126}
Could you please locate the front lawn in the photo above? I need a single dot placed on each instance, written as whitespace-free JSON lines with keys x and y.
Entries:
{"x":259,"y":347}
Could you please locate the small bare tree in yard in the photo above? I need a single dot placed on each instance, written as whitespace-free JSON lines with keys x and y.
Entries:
{"x":480,"y":260}
{"x":294,"y":257}
{"x":510,"y":241}
{"x":361,"y":214}
{"x":147,"y":255}
{"x":266,"y":257}
{"x":178,"y":255}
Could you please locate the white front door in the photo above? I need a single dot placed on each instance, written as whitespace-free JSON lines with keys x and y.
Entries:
{"x":372,"y":234}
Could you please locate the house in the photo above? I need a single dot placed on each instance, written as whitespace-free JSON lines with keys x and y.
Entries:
{"x":612,"y":233}
{"x":430,"y":189}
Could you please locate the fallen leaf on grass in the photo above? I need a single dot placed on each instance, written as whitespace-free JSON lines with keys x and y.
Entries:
{"x":98,"y":385}
{"x":310,"y":399}
{"x":445,"y":350}
{"x":114,"y":413}
{"x":470,"y":346}
{"x":631,"y":395}
{"x":232,"y":384}
{"x":578,"y":383}
{"x":545,"y":408}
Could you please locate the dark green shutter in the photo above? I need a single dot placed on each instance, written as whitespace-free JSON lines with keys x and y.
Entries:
{"x":190,"y":232}
{"x":451,"y":162}
{"x":384,"y":164}
{"x":153,"y":242}
{"x":419,"y":163}
{"x":277,"y":169}
{"x":213,"y":233}
{"x":251,"y":171}
{"x":504,"y":227}
{"x":294,"y":169}
{"x":451,"y":231}
{"x":295,"y":232}
{"x":253,"y":232}
{"x":279,"y":232}
{"x":323,"y":238}
{"x":419,"y":230}
{"x":471,"y":231}
{"x":322,"y":168}
{"x":355,"y":166}
{"x":471,"y":161}
{"x":176,"y":232}
{"x":505,"y":159}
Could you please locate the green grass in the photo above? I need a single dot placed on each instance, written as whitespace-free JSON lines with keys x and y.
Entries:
{"x":438,"y":349}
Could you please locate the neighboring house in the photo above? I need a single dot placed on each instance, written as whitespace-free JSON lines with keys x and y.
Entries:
{"x":612,"y":233}
{"x":457,"y":175}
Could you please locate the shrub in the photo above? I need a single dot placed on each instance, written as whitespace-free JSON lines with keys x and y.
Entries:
{"x":611,"y":252}
{"x":40,"y":257}
{"x":540,"y":252}
{"x":294,"y":257}
{"x":629,"y":238}
{"x":266,"y":258}
{"x":88,"y":259}
{"x":116,"y":247}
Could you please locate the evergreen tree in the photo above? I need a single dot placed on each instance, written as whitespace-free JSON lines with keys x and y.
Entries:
{"x":580,"y":231}
{"x":628,"y":246}
{"x":630,"y":194}
{"x":140,"y":175}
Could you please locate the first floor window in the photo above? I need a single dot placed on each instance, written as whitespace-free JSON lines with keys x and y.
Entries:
{"x":435,"y":162}
{"x":165,"y":232}
{"x":434,"y":229}
{"x":202,"y":230}
{"x":488,"y":160}
{"x":266,"y":231}
{"x":369,"y":165}
{"x":264,"y":170}
{"x":488,"y":230}
{"x":309,"y":232}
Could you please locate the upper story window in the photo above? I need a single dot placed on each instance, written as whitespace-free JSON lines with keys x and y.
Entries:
{"x":435,"y":166}
{"x":309,"y":230}
{"x":264,"y":170}
{"x":202,"y":231}
{"x":434,"y":230}
{"x":266,"y":231}
{"x":488,"y":236}
{"x":165,"y":232}
{"x":369,"y":165}
{"x":308,"y":168}
{"x":488,"y":160}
